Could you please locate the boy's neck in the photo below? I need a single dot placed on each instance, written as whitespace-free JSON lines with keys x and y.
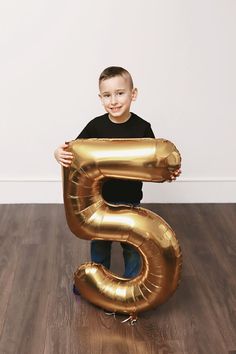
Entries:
{"x":120,"y":119}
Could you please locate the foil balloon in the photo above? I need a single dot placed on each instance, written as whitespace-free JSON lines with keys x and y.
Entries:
{"x":90,"y":217}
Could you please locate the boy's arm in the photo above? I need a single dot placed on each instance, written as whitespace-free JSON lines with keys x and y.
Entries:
{"x":85,"y":133}
{"x":64,"y":157}
{"x":148,"y":132}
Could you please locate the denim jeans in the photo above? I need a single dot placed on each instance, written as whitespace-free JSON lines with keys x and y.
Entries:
{"x":101,"y":253}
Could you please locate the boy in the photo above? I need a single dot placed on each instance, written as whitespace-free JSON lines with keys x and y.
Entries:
{"x":116,"y":93}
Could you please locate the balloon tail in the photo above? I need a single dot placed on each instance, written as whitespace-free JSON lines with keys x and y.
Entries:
{"x":132,"y":319}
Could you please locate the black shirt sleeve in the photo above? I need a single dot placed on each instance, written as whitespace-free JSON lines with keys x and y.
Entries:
{"x":148,"y":132}
{"x":84,"y":134}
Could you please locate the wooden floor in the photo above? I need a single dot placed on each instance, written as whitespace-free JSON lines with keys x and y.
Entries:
{"x":40,"y":314}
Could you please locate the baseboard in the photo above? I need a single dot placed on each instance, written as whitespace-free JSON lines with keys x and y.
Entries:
{"x":184,"y":190}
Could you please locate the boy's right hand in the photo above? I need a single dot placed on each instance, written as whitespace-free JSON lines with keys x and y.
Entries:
{"x":63,"y":157}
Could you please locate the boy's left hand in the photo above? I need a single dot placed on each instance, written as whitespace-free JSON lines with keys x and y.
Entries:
{"x":174,"y":175}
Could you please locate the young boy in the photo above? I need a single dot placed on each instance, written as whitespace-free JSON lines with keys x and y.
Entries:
{"x":116,"y":93}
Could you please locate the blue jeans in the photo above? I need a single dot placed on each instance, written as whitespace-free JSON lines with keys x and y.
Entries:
{"x":101,"y":253}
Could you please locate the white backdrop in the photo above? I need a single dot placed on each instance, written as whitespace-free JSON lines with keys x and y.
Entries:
{"x":181,"y":55}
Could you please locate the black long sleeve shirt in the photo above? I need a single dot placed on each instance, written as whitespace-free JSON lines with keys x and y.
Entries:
{"x":119,"y":190}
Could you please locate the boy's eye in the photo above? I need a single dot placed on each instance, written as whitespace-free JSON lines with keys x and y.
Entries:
{"x":116,"y":94}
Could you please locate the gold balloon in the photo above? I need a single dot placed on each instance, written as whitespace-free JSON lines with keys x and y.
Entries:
{"x":91,"y":218}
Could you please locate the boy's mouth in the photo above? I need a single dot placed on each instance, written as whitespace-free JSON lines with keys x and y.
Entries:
{"x":115,"y":109}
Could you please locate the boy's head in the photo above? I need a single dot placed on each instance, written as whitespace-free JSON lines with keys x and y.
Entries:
{"x":117,"y":91}
{"x":113,"y":71}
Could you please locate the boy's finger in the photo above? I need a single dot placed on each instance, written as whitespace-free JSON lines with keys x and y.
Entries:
{"x":65,"y":161}
{"x":68,"y":159}
{"x":68,"y":154}
{"x":65,"y":165}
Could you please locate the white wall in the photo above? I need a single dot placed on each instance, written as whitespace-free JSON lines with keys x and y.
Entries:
{"x":182,"y":56}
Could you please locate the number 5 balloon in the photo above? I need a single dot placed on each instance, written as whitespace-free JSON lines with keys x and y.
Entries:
{"x":90,"y":217}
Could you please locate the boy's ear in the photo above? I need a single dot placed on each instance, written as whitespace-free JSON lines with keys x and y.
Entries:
{"x":134,"y":94}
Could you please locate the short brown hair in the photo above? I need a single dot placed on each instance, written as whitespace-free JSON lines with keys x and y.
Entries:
{"x":112,"y":71}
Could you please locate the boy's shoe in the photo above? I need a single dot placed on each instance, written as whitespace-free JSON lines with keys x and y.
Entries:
{"x":75,"y":290}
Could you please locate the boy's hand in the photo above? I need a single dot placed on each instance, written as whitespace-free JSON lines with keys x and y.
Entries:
{"x":174,"y":175}
{"x":63,"y":157}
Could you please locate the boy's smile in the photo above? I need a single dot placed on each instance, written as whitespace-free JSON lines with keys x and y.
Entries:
{"x":117,"y":95}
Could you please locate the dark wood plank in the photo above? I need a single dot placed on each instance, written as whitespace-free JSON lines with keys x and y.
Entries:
{"x":39,"y":314}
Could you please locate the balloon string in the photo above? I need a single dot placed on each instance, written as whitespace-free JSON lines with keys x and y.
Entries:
{"x":111,"y":314}
{"x":132,"y":318}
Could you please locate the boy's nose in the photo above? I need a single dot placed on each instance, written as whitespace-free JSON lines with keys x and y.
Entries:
{"x":113,"y":99}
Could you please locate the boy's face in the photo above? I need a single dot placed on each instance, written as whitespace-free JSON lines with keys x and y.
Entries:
{"x":116,"y":96}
